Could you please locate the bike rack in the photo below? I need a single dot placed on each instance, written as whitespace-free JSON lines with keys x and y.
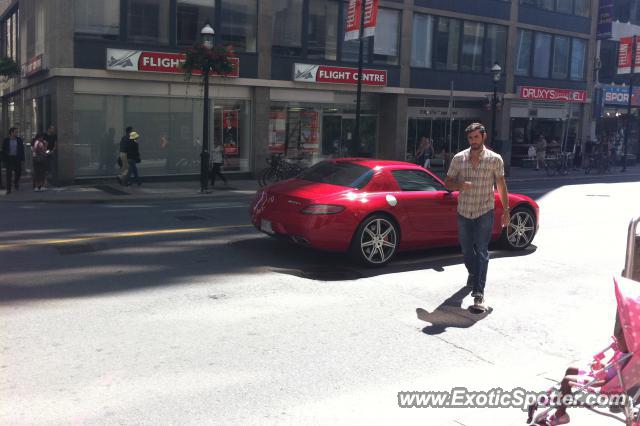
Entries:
{"x":633,"y":241}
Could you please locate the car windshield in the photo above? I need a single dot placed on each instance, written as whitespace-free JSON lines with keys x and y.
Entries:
{"x":339,"y":173}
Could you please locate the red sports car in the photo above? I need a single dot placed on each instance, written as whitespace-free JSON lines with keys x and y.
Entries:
{"x":375,"y":208}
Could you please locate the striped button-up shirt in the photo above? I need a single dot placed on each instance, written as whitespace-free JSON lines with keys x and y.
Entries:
{"x":480,"y":199}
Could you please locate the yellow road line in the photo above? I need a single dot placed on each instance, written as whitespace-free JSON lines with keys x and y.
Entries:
{"x":106,"y":236}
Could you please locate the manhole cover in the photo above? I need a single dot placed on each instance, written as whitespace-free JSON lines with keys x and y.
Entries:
{"x":75,"y":248}
{"x":190,"y":217}
{"x":331,"y":274}
{"x":110,"y":190}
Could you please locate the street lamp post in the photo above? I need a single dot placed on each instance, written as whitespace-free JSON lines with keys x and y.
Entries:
{"x":207,"y":33}
{"x":496,"y":70}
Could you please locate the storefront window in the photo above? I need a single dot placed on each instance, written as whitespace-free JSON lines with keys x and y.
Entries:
{"x":560,"y":57}
{"x":386,"y":40}
{"x":473,"y":36}
{"x":422,"y":41}
{"x":97,"y":17}
{"x":240,"y":24}
{"x":170,"y":133}
{"x":578,"y":55}
{"x":496,"y":47}
{"x":523,"y":59}
{"x":322,"y":32}
{"x":446,"y":134}
{"x":311,"y":132}
{"x":148,"y":21}
{"x":581,"y":7}
{"x":541,"y":56}
{"x":287,"y":27}
{"x":192,"y":15}
{"x":447,"y":44}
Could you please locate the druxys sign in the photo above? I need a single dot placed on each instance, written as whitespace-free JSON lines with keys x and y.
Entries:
{"x":553,"y":94}
{"x":144,"y":61}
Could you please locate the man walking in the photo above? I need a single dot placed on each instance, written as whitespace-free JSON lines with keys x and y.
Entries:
{"x":474,"y":172}
{"x":123,"y":177}
{"x":13,"y":153}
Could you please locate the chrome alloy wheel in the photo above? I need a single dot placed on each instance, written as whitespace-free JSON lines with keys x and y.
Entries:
{"x":379,"y":240}
{"x":521,"y":229}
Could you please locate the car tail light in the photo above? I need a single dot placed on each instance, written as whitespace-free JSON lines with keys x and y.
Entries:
{"x":322,"y":209}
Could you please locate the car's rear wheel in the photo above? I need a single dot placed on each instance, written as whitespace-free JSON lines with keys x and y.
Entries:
{"x":519,"y":234}
{"x":376,"y":241}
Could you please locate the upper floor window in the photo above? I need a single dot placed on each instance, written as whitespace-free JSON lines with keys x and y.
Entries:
{"x":386,"y":42}
{"x":10,"y":31}
{"x":191,"y":16}
{"x":575,"y":7}
{"x":239,"y":24}
{"x":287,"y":27}
{"x":148,"y":21}
{"x":97,"y":18}
{"x":322,"y":30}
{"x":550,"y":56}
{"x":451,"y":44}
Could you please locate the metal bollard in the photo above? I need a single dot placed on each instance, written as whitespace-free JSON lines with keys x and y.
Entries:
{"x":632,"y":263}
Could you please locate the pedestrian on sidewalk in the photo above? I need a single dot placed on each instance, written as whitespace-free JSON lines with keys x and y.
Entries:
{"x":133,"y":158}
{"x":217,"y":161}
{"x":541,"y":152}
{"x":474,"y":172}
{"x":39,"y":149}
{"x":51,"y":140}
{"x":13,"y":151}
{"x":123,"y":176}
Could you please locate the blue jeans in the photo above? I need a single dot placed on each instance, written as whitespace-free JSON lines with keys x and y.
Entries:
{"x":133,"y":171}
{"x":474,"y":236}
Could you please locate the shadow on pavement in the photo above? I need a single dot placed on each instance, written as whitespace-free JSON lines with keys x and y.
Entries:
{"x":90,"y":269}
{"x":450,"y":314}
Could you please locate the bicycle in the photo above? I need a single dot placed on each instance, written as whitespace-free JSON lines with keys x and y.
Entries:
{"x":557,"y":164}
{"x":598,"y":162}
{"x":279,"y":169}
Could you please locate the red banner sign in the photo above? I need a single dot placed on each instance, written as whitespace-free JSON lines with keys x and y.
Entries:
{"x":33,"y":66}
{"x":550,"y":94}
{"x":352,"y":23}
{"x":339,"y":75}
{"x":624,"y":55}
{"x":162,"y":62}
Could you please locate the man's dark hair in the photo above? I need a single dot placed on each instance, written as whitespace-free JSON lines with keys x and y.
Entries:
{"x":475,"y":126}
{"x":12,"y":129}
{"x":129,"y":129}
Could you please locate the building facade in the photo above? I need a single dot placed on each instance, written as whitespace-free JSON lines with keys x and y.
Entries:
{"x":93,"y":67}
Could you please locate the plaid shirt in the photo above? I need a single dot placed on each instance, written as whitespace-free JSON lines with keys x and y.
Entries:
{"x":480,"y":199}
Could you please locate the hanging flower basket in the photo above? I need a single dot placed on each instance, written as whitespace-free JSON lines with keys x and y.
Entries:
{"x":9,"y":68}
{"x":218,"y":60}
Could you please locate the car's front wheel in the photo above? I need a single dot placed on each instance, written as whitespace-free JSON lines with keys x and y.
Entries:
{"x":519,"y":234}
{"x":376,"y":241}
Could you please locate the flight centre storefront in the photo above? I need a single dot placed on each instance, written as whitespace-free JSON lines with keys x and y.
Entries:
{"x":315,"y":120}
{"x":147,"y":91}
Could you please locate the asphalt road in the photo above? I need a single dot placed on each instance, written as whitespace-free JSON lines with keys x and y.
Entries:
{"x":179,"y":312}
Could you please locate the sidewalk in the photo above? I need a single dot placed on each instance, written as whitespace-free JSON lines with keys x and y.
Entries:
{"x":110,"y":191}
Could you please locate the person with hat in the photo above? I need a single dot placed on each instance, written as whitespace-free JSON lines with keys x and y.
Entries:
{"x":133,"y":158}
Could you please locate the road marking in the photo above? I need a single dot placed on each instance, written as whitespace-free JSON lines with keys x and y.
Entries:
{"x":113,"y":235}
{"x":226,"y":206}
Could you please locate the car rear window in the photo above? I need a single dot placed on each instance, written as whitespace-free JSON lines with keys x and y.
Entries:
{"x":341,"y":174}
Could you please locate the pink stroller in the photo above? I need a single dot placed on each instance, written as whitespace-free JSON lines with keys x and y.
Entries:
{"x":620,"y":374}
